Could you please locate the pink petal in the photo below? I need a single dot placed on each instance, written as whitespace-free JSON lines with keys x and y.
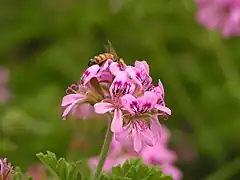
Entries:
{"x":105,"y":76}
{"x":83,"y":111}
{"x":123,"y":136}
{"x":130,"y":103}
{"x":122,"y":159}
{"x":2,"y":167}
{"x":89,"y":73}
{"x":156,"y":129}
{"x":109,"y":163}
{"x":160,"y":85}
{"x":117,"y":122}
{"x":148,"y":137}
{"x":135,"y":75}
{"x":116,"y":146}
{"x":146,"y":82}
{"x":117,"y":84}
{"x":121,"y":85}
{"x":172,"y":170}
{"x":92,"y":163}
{"x":103,"y":107}
{"x":115,"y":68}
{"x":143,"y":65}
{"x":68,"y":109}
{"x":137,"y":141}
{"x":106,"y":64}
{"x":148,"y":98}
{"x":159,"y":154}
{"x":165,"y":135}
{"x":163,"y":109}
{"x":70,"y":98}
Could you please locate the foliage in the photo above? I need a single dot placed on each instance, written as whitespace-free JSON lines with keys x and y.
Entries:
{"x":61,"y":168}
{"x":131,"y":169}
{"x":17,"y":175}
{"x":135,"y":169}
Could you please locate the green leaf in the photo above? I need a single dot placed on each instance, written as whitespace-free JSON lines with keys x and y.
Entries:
{"x":135,"y":169}
{"x":60,"y":167}
{"x":17,"y":174}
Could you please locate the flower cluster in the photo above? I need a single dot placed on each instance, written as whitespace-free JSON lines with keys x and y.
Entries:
{"x":158,"y":155}
{"x":4,"y":93}
{"x":127,"y":95}
{"x":220,"y":14}
{"x":5,"y":169}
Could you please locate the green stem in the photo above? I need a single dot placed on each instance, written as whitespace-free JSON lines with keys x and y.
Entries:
{"x":104,"y":152}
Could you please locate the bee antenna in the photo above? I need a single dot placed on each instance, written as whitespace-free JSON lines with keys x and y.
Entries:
{"x":110,"y":44}
{"x":109,"y":48}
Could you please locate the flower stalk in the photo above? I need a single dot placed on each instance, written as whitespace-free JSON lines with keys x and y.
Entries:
{"x":104,"y":152}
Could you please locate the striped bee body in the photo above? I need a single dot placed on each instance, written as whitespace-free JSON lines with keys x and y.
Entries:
{"x":102,"y":58}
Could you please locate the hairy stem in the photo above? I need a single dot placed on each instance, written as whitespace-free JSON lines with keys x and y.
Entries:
{"x":104,"y":152}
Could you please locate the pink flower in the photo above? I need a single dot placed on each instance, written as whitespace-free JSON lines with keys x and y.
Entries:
{"x":159,"y":91}
{"x":116,"y":68}
{"x":137,"y":127}
{"x":104,"y":74}
{"x":76,"y":102}
{"x":118,"y":154}
{"x":120,"y":86}
{"x":38,"y":172}
{"x":101,"y":73}
{"x":109,"y":163}
{"x":140,"y":74}
{"x":89,"y":73}
{"x":172,"y":170}
{"x":220,"y":14}
{"x":5,"y":169}
{"x":158,"y":155}
{"x":165,"y":135}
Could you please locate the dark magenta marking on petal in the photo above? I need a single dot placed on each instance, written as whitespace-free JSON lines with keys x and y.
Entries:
{"x":134,"y":106}
{"x":138,"y":76}
{"x":145,"y":107}
{"x":126,"y":88}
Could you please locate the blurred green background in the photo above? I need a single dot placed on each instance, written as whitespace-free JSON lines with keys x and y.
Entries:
{"x":47,"y":44}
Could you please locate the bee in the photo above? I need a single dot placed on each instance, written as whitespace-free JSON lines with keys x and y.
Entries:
{"x":102,"y":58}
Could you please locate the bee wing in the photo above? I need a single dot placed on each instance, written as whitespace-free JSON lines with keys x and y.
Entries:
{"x":109,"y":48}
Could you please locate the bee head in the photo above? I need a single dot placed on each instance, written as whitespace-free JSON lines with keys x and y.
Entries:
{"x":91,"y":62}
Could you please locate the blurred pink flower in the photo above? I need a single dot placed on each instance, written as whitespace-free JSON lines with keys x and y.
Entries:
{"x":37,"y":172}
{"x":158,"y":155}
{"x":6,"y":169}
{"x":109,"y":163}
{"x":4,"y":93}
{"x":220,"y":14}
{"x":162,"y":157}
{"x":118,"y":154}
{"x":172,"y":170}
